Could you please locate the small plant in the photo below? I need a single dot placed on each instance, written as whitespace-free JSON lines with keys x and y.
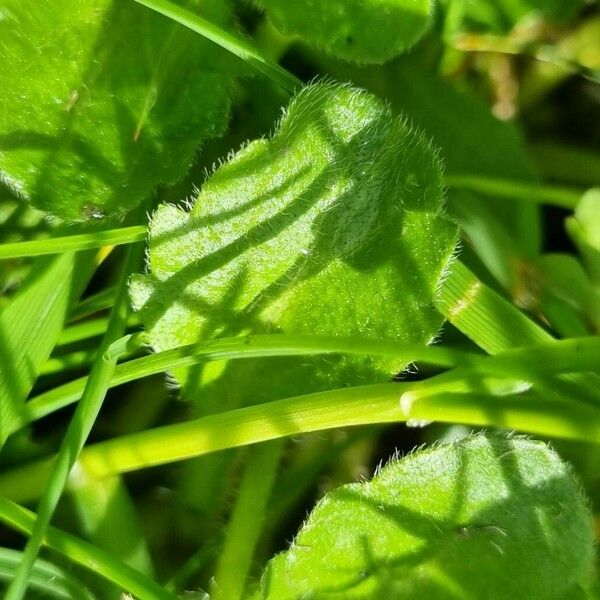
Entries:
{"x":264,"y":247}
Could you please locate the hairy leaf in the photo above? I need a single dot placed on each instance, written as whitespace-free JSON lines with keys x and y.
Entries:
{"x":333,"y":226}
{"x":100,"y":101}
{"x":503,"y":232}
{"x":484,"y":517}
{"x":371,"y":31}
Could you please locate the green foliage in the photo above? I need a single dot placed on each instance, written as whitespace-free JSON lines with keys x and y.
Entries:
{"x":101,"y":102}
{"x":484,"y":517}
{"x":47,"y":581}
{"x":471,"y":140}
{"x":584,"y":229}
{"x":365,"y":32}
{"x":334,"y":226}
{"x":501,"y":15}
{"x":30,"y":325}
{"x":289,"y":297}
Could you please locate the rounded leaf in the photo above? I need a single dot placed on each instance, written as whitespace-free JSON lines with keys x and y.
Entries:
{"x":363,"y":31}
{"x":485,"y":517}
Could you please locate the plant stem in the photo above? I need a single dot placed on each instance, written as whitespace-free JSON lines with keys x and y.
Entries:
{"x":246,"y":521}
{"x":81,"y":424}
{"x":226,"y":40}
{"x":563,"y":197}
{"x":374,"y":404}
{"x":69,"y":243}
{"x":554,"y":357}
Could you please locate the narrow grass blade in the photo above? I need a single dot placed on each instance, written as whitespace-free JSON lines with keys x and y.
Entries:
{"x":247,"y":519}
{"x":488,"y":402}
{"x":89,"y":329}
{"x":48,"y":580}
{"x":231,"y":43}
{"x":85,"y":554}
{"x":108,"y":518}
{"x":563,"y":197}
{"x":72,"y":243}
{"x":484,"y":316}
{"x":561,"y":356}
{"x":81,"y":424}
{"x":93,"y":304}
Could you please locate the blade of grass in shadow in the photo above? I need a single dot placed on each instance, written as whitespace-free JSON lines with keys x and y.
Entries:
{"x":79,"y":428}
{"x":561,"y":196}
{"x":30,"y":326}
{"x":89,"y":329}
{"x":48,"y":580}
{"x":226,"y":40}
{"x":72,"y":243}
{"x":108,"y":518}
{"x":85,"y":554}
{"x":64,"y":362}
{"x":246,"y":521}
{"x":102,"y":300}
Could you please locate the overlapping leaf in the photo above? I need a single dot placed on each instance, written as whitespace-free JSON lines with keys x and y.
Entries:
{"x":366,"y":32}
{"x":485,"y":517}
{"x":502,"y":232}
{"x":584,"y":229}
{"x":334,"y":226}
{"x":100,"y":101}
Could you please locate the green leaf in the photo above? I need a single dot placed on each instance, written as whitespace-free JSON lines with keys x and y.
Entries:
{"x":584,"y":229}
{"x":485,"y":517}
{"x":499,"y":16}
{"x":370,"y":31}
{"x":101,"y":101}
{"x":562,"y":282}
{"x":332,"y":227}
{"x":503,"y":232}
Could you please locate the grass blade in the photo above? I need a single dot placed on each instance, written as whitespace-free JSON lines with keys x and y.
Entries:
{"x":539,"y":359}
{"x":30,"y":327}
{"x":87,"y":555}
{"x":72,"y":243}
{"x":563,"y":197}
{"x":226,"y":40}
{"x":482,"y":402}
{"x":49,"y":580}
{"x":80,"y":426}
